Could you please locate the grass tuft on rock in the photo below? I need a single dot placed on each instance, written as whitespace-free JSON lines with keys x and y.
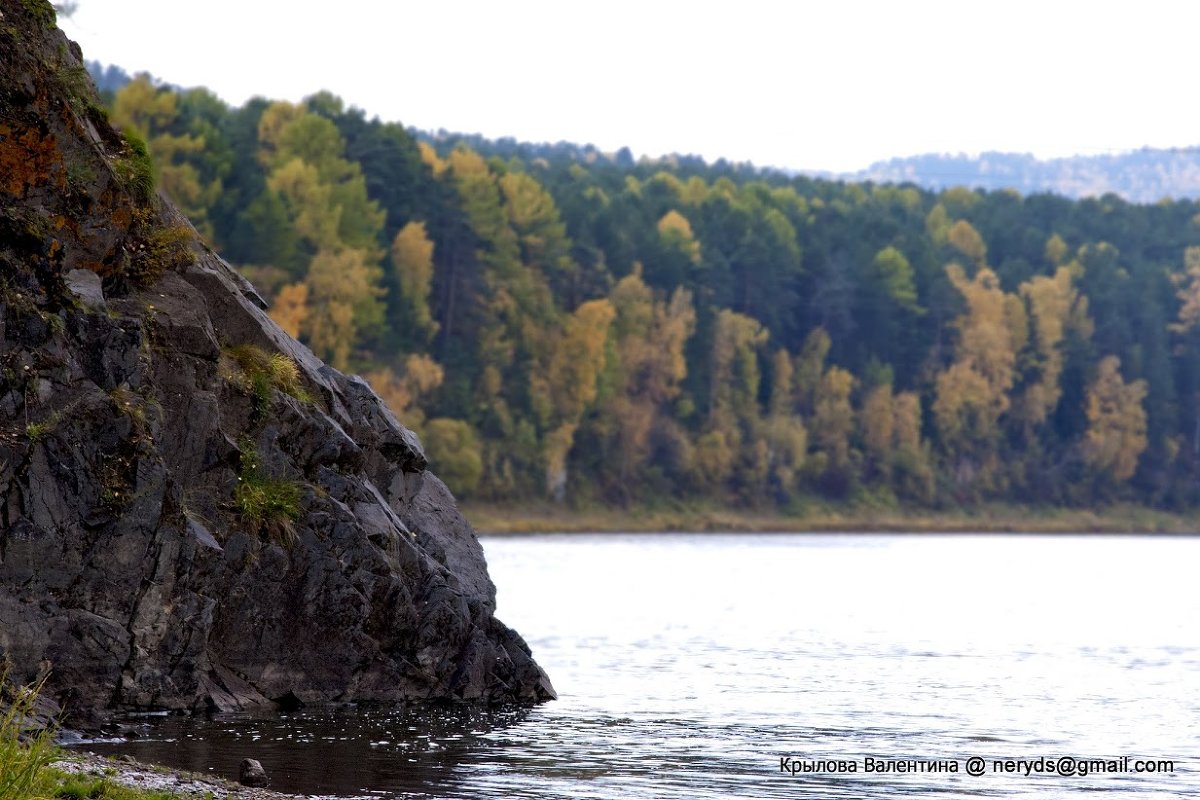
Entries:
{"x":260,"y":372}
{"x":271,"y":505}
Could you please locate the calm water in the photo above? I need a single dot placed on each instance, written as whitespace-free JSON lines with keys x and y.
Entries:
{"x":688,"y":665}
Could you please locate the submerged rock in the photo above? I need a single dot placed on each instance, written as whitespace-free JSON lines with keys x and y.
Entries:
{"x":196,"y":512}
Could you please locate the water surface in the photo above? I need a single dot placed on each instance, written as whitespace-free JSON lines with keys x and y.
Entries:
{"x":688,"y":665}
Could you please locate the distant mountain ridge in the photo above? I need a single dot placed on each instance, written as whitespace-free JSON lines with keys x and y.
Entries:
{"x":1141,"y":176}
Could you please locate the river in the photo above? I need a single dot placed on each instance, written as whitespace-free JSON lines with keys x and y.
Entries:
{"x":763,"y":666}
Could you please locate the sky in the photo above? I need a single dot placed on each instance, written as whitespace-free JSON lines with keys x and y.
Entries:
{"x":833,"y":85}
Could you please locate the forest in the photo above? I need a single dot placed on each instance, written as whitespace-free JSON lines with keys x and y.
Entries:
{"x":558,"y":323}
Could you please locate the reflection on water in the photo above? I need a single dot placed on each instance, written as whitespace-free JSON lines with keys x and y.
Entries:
{"x":688,"y":665}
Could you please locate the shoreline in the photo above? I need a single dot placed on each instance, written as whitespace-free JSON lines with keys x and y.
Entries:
{"x":156,"y":781}
{"x":1000,"y":519}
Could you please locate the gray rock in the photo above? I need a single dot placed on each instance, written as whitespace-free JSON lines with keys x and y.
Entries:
{"x":251,"y":773}
{"x":124,"y":560}
{"x":85,"y":285}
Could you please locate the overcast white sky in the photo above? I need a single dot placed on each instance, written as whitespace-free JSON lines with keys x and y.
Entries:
{"x":832,"y":85}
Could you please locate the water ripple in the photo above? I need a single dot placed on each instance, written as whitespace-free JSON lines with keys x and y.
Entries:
{"x":688,"y":666}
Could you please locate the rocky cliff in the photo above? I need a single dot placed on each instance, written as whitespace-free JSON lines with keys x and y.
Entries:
{"x":195,"y":512}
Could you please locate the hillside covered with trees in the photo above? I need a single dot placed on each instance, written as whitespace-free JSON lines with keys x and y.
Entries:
{"x":1144,"y":176}
{"x":559,"y":322}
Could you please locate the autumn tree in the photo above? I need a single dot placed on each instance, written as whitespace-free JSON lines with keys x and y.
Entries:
{"x":972,"y":393}
{"x":963,"y":237}
{"x":832,"y":424}
{"x":1116,"y":434}
{"x":810,"y":366}
{"x":342,"y":299}
{"x":734,"y":414}
{"x":911,"y":461}
{"x":290,"y":309}
{"x":407,"y":392}
{"x":1054,"y":307}
{"x":877,"y":424}
{"x":784,"y":431}
{"x":571,"y":384}
{"x":412,"y":260}
{"x":647,"y":360}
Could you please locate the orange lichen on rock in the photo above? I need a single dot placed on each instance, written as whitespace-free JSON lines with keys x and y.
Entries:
{"x":28,"y":160}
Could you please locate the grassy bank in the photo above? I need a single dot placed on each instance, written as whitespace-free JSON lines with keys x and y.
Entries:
{"x":33,"y":768}
{"x":70,"y":775}
{"x":546,"y":518}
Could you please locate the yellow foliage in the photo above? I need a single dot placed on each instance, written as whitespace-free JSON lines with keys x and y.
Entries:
{"x":833,"y":417}
{"x":959,"y":199}
{"x":788,"y":446}
{"x":141,"y":105}
{"x":648,"y":336}
{"x":913,"y":473}
{"x":467,"y":163}
{"x":937,"y":224}
{"x":673,"y":184}
{"x":651,"y":335}
{"x":965,"y":409}
{"x":1189,"y":291}
{"x":695,"y":191}
{"x":1116,"y":434}
{"x":781,"y":383}
{"x":290,"y":308}
{"x":309,"y":200}
{"x":275,"y":118}
{"x":810,"y":366}
{"x":534,"y":217}
{"x":431,"y":159}
{"x":1053,"y":303}
{"x":964,"y":238}
{"x":339,"y":284}
{"x":402,"y":393}
{"x":152,"y":111}
{"x":972,"y":394}
{"x":675,"y":229}
{"x":735,"y":372}
{"x":986,"y":330}
{"x":1056,"y":250}
{"x":412,"y":258}
{"x":579,"y":358}
{"x":1016,"y":319}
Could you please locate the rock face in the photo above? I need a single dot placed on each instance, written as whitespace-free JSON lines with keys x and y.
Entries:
{"x":195,"y":512}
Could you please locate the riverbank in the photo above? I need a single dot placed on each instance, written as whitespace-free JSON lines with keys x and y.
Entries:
{"x":550,"y":518}
{"x":79,"y":774}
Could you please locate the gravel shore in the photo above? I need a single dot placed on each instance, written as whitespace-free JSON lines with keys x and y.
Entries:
{"x":153,"y":778}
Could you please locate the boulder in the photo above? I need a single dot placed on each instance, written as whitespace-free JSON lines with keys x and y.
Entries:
{"x":251,"y":773}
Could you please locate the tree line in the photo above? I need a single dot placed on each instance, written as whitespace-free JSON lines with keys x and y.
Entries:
{"x":559,"y":322}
